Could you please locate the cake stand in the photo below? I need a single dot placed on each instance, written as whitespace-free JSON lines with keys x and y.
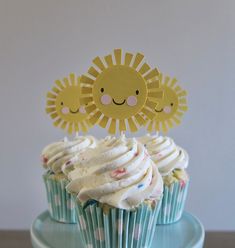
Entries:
{"x":186,"y":233}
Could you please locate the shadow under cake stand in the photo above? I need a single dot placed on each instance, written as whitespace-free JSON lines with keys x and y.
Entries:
{"x":186,"y":233}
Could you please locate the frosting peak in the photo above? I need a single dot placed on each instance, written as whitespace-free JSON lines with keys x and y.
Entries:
{"x":55,"y":155}
{"x":165,"y":153}
{"x":118,"y":172}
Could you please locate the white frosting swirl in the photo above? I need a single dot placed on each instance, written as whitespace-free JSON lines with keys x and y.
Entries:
{"x":165,"y":153}
{"x":65,"y":152}
{"x":118,"y":172}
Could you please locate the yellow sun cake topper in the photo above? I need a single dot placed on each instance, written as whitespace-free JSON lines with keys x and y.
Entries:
{"x":64,"y":106}
{"x":120,"y":90}
{"x":171,"y":107}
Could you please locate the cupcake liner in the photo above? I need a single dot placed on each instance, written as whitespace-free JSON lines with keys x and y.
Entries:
{"x":173,"y":201}
{"x":118,"y":228}
{"x":60,"y":203}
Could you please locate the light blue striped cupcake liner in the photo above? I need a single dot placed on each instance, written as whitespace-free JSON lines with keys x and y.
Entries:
{"x":60,"y":203}
{"x":173,"y":201}
{"x":117,"y":228}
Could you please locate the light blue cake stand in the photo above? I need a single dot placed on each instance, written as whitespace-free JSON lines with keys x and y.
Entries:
{"x":186,"y":233}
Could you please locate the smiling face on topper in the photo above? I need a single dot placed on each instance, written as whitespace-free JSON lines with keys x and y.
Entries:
{"x":171,"y":107}
{"x":64,"y":105}
{"x":117,"y":92}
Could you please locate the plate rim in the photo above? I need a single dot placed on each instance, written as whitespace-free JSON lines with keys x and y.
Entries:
{"x":197,"y":240}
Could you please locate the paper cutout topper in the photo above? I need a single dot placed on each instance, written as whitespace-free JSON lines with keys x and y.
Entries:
{"x":64,"y":106}
{"x":119,"y":90}
{"x":170,"y":108}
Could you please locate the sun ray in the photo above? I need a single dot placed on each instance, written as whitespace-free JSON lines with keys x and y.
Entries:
{"x":91,"y":108}
{"x":177,"y":89}
{"x":76,"y":127}
{"x":112,"y":126}
{"x":137,"y":60}
{"x":87,"y":99}
{"x":118,"y":56}
{"x":70,"y":128}
{"x":176,"y":120}
{"x":183,"y":107}
{"x":86,"y":90}
{"x":109,"y":60}
{"x":179,"y":114}
{"x":53,"y":115}
{"x":157,"y":125}
{"x":182,"y":93}
{"x":95,"y":118}
{"x":98,"y":62}
{"x":72,"y":78}
{"x":145,"y":119}
{"x":160,"y":77}
{"x":173,"y":82}
{"x":56,"y":90}
{"x":153,"y":73}
{"x":149,"y":114}
{"x":50,"y":110}
{"x":57,"y":122}
{"x":89,"y":125}
{"x":93,"y":72}
{"x":170,"y":123}
{"x":50,"y":103}
{"x":164,"y":127}
{"x":128,"y":59}
{"x":150,"y":104}
{"x":132,"y":125}
{"x":64,"y":124}
{"x":104,"y":121}
{"x":156,"y":94}
{"x":150,"y":126}
{"x":59,"y":84}
{"x":66,"y":82}
{"x":167,"y":81}
{"x":153,"y":84}
{"x":86,"y":80}
{"x":122,"y":125}
{"x":139,"y":119}
{"x":183,"y":101}
{"x":144,"y":68}
{"x":50,"y":95}
{"x":83,"y":127}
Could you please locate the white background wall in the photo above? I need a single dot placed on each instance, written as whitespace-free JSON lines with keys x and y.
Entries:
{"x":41,"y":41}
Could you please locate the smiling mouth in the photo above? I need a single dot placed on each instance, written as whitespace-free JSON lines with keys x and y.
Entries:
{"x":74,"y":112}
{"x":158,"y":111}
{"x":119,"y":103}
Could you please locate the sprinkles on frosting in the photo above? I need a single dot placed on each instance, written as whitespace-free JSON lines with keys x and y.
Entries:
{"x":140,"y":185}
{"x":44,"y":159}
{"x":118,"y":173}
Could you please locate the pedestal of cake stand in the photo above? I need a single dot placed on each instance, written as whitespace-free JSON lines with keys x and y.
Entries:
{"x":186,"y":233}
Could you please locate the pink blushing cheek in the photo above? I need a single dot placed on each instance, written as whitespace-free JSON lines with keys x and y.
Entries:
{"x":82,"y":110}
{"x":167,"y":109}
{"x":131,"y":101}
{"x":65,"y":110}
{"x":106,"y":99}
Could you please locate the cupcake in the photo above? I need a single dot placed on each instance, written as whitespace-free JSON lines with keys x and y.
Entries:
{"x":171,"y":161}
{"x":117,"y":191}
{"x":54,"y":157}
